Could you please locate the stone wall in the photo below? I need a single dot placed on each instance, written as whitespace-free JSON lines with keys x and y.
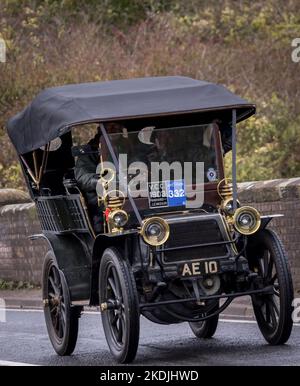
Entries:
{"x":21,"y":258}
{"x":282,"y":197}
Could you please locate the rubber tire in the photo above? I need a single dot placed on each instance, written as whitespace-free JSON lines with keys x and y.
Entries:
{"x":66,"y":345}
{"x":207,"y":328}
{"x":131,"y":305}
{"x":269,"y":238}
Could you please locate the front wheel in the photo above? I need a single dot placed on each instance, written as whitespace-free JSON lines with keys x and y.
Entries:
{"x":273,"y":312}
{"x":120,"y":306}
{"x":207,"y":328}
{"x":60,"y":316}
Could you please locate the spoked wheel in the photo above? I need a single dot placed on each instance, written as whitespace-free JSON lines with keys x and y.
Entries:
{"x":273,"y":312}
{"x":119,"y":305}
{"x":61,"y":318}
{"x":207,"y":328}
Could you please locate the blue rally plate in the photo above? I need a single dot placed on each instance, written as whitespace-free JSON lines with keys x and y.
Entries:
{"x":166,"y":194}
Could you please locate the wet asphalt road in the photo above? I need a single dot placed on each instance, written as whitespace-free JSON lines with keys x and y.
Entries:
{"x":23,"y":338}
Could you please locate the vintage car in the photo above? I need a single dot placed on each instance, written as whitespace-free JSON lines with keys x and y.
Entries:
{"x":161,"y":252}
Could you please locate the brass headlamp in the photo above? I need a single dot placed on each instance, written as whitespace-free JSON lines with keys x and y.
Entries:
{"x":246,"y":220}
{"x":155,"y":231}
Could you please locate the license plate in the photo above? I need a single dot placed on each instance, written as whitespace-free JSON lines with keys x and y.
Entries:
{"x":199,"y":268}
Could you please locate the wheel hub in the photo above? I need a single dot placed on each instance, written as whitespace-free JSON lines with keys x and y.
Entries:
{"x":111,"y":305}
{"x":56,"y":301}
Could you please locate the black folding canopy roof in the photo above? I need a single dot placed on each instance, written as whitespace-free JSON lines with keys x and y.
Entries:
{"x":55,"y":110}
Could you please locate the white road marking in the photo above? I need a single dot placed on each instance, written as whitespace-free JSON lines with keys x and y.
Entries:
{"x":238,"y":321}
{"x":41,"y":311}
{"x":245,"y":321}
{"x":11,"y":363}
{"x":22,"y":310}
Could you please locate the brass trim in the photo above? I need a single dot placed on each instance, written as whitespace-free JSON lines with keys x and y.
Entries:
{"x":85,"y":210}
{"x":227,"y":222}
{"x":252,"y":211}
{"x":150,"y":220}
{"x":225,"y":191}
{"x":46,"y":302}
{"x":112,"y":226}
{"x":225,"y":202}
{"x":117,"y":199}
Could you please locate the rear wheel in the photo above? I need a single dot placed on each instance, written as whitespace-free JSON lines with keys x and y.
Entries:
{"x":60,"y":316}
{"x":273,"y":312}
{"x":207,"y":328}
{"x":120,"y":306}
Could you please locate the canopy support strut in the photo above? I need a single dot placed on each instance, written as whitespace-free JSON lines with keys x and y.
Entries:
{"x":29,"y":171}
{"x":38,"y":172}
{"x":116,"y":163}
{"x":234,"y":179}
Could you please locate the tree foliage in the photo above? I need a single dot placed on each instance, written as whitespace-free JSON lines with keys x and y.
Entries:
{"x":244,"y":45}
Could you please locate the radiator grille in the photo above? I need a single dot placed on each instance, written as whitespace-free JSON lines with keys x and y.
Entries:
{"x":193,"y":233}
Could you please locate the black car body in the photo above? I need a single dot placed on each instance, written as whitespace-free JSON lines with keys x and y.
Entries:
{"x":157,"y":254}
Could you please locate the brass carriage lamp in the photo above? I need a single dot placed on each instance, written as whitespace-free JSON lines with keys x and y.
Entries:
{"x":243,"y":219}
{"x":116,"y":217}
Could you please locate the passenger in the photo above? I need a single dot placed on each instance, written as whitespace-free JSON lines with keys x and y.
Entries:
{"x":86,"y":176}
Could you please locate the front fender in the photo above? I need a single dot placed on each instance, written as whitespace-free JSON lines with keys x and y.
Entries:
{"x":73,"y":258}
{"x":266,"y":219}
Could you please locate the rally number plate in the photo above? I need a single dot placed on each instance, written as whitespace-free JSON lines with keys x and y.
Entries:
{"x":199,"y":268}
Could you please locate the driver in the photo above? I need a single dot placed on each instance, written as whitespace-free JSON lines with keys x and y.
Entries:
{"x":85,"y":172}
